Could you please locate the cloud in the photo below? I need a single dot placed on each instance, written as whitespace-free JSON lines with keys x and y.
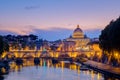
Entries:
{"x":6,"y":32}
{"x":62,"y":33}
{"x":51,"y":34}
{"x":57,"y":28}
{"x":31,"y":7}
{"x":23,"y":30}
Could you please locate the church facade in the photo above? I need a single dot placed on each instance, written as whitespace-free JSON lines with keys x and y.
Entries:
{"x":79,"y":39}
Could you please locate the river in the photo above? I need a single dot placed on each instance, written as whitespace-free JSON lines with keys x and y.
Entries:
{"x":48,"y":71}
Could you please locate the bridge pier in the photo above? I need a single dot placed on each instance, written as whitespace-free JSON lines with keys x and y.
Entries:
{"x":19,"y":61}
{"x":36,"y":61}
{"x":4,"y":67}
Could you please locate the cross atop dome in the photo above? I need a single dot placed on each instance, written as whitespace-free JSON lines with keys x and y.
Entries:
{"x":78,"y":29}
{"x":78,"y":33}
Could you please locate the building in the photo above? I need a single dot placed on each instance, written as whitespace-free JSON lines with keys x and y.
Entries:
{"x":80,"y":40}
{"x":96,"y":52}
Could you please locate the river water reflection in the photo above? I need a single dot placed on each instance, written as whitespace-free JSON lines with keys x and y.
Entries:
{"x":48,"y":71}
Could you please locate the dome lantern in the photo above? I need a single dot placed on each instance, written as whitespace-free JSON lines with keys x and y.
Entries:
{"x":78,"y":33}
{"x":77,"y":26}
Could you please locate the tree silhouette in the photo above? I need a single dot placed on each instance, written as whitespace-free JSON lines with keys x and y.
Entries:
{"x":3,"y":46}
{"x":53,"y":48}
{"x":110,"y":39}
{"x":110,"y":36}
{"x":33,"y":37}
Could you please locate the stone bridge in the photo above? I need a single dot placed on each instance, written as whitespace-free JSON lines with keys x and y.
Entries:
{"x":33,"y":53}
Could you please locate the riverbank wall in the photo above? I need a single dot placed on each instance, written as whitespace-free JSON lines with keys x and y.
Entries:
{"x":103,"y":68}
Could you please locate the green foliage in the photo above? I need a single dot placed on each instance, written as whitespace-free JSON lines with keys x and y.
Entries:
{"x":110,"y":36}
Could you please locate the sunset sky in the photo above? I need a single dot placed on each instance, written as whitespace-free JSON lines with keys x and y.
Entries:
{"x":56,"y":19}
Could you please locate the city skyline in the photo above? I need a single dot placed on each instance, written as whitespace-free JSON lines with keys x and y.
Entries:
{"x":52,"y":20}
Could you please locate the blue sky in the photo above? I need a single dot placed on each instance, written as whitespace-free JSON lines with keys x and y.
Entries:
{"x":56,"y":19}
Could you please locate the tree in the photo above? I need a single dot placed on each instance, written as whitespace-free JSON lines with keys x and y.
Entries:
{"x":110,"y":38}
{"x":3,"y":46}
{"x":33,"y":37}
{"x":53,"y":48}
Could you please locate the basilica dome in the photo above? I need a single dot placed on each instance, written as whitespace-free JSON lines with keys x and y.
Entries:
{"x":78,"y":33}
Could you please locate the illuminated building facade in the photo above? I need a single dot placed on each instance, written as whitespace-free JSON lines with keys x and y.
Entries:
{"x":80,"y":40}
